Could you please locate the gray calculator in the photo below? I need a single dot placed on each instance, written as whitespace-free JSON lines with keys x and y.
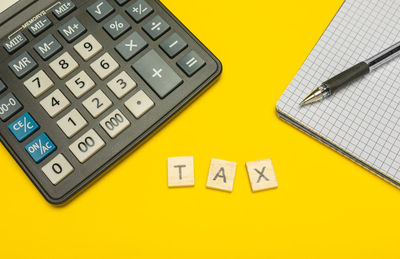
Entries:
{"x":82,"y":83}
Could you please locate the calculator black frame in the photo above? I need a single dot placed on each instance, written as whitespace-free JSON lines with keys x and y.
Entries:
{"x":33,"y":8}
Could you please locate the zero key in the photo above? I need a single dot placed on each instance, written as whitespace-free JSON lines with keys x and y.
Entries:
{"x":9,"y":106}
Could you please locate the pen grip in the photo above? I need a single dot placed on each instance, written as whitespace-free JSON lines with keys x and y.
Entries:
{"x":347,"y":76}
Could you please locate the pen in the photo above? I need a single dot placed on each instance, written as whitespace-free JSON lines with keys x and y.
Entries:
{"x":333,"y":84}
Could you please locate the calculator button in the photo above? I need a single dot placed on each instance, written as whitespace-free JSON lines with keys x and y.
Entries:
{"x":139,"y":104}
{"x":9,"y":106}
{"x":121,"y":2}
{"x":57,"y":169}
{"x":63,"y":9}
{"x":88,"y":47}
{"x":86,"y":146}
{"x":121,"y":85}
{"x":130,"y":46}
{"x":72,"y":30}
{"x":191,"y":63}
{"x":100,"y":10}
{"x":80,"y":84}
{"x":139,"y":10}
{"x":97,"y":103}
{"x":115,"y":123}
{"x":38,"y":84}
{"x":72,"y":123}
{"x":104,"y":66}
{"x":156,"y":72}
{"x":173,"y":45}
{"x":47,"y":47}
{"x":22,"y":65}
{"x":55,"y":103}
{"x":23,"y":127}
{"x":64,"y":65}
{"x":156,"y":27}
{"x":15,"y":43}
{"x":116,"y":26}
{"x":40,"y":25}
{"x":40,"y":148}
{"x":3,"y":86}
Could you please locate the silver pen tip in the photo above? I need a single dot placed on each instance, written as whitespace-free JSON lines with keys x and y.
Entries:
{"x":316,"y":95}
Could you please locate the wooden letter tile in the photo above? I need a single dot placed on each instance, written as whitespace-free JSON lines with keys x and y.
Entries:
{"x":221,"y":175}
{"x":180,"y":171}
{"x":261,"y":175}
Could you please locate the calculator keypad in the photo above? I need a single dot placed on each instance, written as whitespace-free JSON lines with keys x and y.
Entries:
{"x":97,"y":103}
{"x":38,"y":84}
{"x":9,"y":106}
{"x":55,"y":103}
{"x":80,"y":84}
{"x":47,"y":47}
{"x":93,"y":86}
{"x":72,"y":123}
{"x":87,"y":145}
{"x":64,"y":65}
{"x":139,"y":104}
{"x":115,"y":123}
{"x":121,"y":85}
{"x":88,"y":47}
{"x":57,"y":169}
{"x":104,"y":66}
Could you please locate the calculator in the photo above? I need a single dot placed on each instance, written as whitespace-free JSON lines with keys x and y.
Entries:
{"x":83,"y":83}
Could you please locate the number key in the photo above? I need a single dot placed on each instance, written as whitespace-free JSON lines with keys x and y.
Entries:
{"x":121,"y":85}
{"x":9,"y":106}
{"x":104,"y":66}
{"x":115,"y":123}
{"x":55,"y":103}
{"x":88,"y":47}
{"x":80,"y":84}
{"x":38,"y":84}
{"x":57,"y":169}
{"x":72,"y":123}
{"x":86,"y":146}
{"x":97,"y":103}
{"x":64,"y":65}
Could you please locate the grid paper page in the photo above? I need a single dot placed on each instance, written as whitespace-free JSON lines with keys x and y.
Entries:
{"x":362,"y":119}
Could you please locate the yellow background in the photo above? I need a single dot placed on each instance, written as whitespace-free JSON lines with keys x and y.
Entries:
{"x":325,"y":206}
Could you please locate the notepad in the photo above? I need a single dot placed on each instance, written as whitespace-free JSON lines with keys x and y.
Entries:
{"x":362,"y":120}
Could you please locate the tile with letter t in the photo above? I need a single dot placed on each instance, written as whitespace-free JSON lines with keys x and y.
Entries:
{"x":261,"y":175}
{"x":221,"y":175}
{"x":180,"y":171}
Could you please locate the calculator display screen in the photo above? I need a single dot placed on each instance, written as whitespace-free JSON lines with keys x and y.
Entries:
{"x":7,"y":3}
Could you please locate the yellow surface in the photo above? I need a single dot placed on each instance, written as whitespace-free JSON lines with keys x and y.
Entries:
{"x":318,"y":211}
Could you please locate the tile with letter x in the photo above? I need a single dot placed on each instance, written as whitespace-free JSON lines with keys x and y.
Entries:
{"x":261,"y":175}
{"x":221,"y":175}
{"x":180,"y":171}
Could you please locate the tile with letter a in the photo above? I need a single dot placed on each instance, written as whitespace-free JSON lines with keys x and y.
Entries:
{"x":88,"y":47}
{"x":55,"y":103}
{"x":38,"y":84}
{"x":86,"y":146}
{"x":221,"y":175}
{"x":80,"y":84}
{"x":180,"y":171}
{"x":97,"y":103}
{"x":104,"y":66}
{"x":261,"y":175}
{"x":64,"y":65}
{"x":121,"y":85}
{"x":57,"y":169}
{"x":115,"y":123}
{"x":72,"y":123}
{"x":139,"y":104}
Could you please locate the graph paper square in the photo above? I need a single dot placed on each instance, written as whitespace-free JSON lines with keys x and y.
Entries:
{"x":361,"y":120}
